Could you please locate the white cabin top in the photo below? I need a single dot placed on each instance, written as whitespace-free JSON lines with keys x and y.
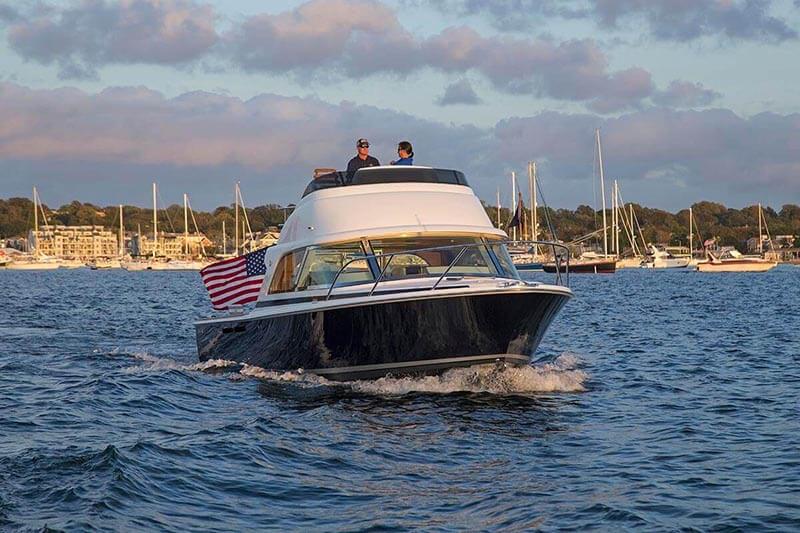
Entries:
{"x":386,"y":200}
{"x":345,"y":215}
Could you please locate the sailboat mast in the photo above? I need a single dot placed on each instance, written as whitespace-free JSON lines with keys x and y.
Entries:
{"x":535,"y":202}
{"x":498,"y":207}
{"x":602,"y":192}
{"x":35,"y":211}
{"x":185,"y":224}
{"x":514,"y":200}
{"x":616,"y":218}
{"x":155,"y":222}
{"x":236,"y":218}
{"x":121,"y":233}
{"x":224,"y":239}
{"x":35,"y":222}
{"x":691,"y":235}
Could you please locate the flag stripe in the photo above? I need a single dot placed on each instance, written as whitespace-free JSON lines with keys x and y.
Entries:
{"x":222,"y":272}
{"x":220,"y":283}
{"x":245,"y":300}
{"x":222,"y":265}
{"x":247,"y":283}
{"x":235,"y":281}
{"x":226,"y":277}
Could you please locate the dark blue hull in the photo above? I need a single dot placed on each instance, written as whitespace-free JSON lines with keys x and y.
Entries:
{"x":398,"y":337}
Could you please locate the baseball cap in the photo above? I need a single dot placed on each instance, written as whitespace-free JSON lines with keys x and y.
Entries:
{"x":362,"y":143}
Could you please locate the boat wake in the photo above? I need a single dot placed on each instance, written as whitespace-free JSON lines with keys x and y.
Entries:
{"x":560,"y":375}
{"x":152,"y":362}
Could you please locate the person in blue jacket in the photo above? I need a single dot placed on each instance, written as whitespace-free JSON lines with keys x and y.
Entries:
{"x":406,"y":153}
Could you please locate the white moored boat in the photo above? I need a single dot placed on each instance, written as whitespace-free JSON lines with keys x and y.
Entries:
{"x":663,"y":259}
{"x":390,"y":270}
{"x":733,"y":261}
{"x":33,"y":262}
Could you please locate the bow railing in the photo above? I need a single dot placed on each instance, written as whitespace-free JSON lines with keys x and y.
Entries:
{"x":561,"y":260}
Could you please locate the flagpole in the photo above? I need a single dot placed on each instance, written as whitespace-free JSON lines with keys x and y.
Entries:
{"x":498,"y":207}
{"x":514,"y":198}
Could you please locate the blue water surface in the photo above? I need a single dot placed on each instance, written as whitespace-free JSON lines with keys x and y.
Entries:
{"x":659,"y":400}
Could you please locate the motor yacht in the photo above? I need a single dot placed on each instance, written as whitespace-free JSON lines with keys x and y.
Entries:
{"x":731,"y":260}
{"x":388,"y":270}
{"x":587,"y":263}
{"x":660,"y":258}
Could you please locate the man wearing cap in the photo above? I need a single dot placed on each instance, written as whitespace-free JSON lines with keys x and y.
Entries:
{"x":362,"y":159}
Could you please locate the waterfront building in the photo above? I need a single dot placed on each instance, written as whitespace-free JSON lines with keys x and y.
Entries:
{"x":172,"y":245}
{"x":77,"y":242}
{"x":261,"y":239}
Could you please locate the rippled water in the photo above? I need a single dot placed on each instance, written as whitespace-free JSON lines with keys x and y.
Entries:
{"x":659,"y":400}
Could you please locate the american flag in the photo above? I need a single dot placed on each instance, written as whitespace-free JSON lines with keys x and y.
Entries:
{"x":236,"y":280}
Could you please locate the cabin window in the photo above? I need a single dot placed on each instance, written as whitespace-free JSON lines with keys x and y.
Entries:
{"x":504,"y":260}
{"x":323,"y":262}
{"x":404,"y":264}
{"x":287,"y":271}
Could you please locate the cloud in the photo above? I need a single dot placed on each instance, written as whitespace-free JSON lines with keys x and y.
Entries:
{"x":459,"y":92}
{"x":323,"y":38}
{"x":683,"y":20}
{"x":8,"y":13}
{"x":668,"y":20}
{"x":715,"y":153}
{"x":122,"y":138}
{"x":80,"y":37}
{"x":685,"y":94}
{"x":316,"y":34}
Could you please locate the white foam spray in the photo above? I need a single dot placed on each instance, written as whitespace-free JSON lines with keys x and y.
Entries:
{"x":562,"y":375}
{"x":155,"y":363}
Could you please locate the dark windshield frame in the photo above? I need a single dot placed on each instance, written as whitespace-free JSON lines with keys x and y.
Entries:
{"x":370,"y":176}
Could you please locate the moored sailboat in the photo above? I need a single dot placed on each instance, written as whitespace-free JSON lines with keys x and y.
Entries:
{"x":34,"y":260}
{"x":594,"y":263}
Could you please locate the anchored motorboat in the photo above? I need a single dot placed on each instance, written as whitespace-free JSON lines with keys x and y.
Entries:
{"x":732,"y":261}
{"x":388,"y":270}
{"x":660,"y":258}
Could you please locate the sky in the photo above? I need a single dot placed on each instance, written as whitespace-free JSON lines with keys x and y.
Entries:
{"x":695,"y":99}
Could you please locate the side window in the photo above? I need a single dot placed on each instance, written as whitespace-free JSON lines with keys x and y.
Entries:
{"x":323,"y":262}
{"x":286,"y":273}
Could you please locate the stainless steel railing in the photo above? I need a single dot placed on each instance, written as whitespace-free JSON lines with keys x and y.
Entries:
{"x":560,"y":260}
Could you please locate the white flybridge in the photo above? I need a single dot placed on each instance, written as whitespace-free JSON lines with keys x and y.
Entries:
{"x":387,"y":270}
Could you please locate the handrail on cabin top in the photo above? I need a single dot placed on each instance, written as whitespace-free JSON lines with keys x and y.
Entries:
{"x":463,"y":247}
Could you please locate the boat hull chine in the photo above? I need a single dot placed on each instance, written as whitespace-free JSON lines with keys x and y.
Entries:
{"x":423,"y":335}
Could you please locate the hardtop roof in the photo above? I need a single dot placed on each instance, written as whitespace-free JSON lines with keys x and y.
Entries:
{"x":386,"y":174}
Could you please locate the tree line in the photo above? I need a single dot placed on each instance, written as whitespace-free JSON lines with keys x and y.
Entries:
{"x":731,"y":227}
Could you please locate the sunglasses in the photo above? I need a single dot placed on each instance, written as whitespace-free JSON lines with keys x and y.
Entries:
{"x":363,"y":146}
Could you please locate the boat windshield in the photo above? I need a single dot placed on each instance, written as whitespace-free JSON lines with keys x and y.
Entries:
{"x":406,"y":263}
{"x":316,"y":267}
